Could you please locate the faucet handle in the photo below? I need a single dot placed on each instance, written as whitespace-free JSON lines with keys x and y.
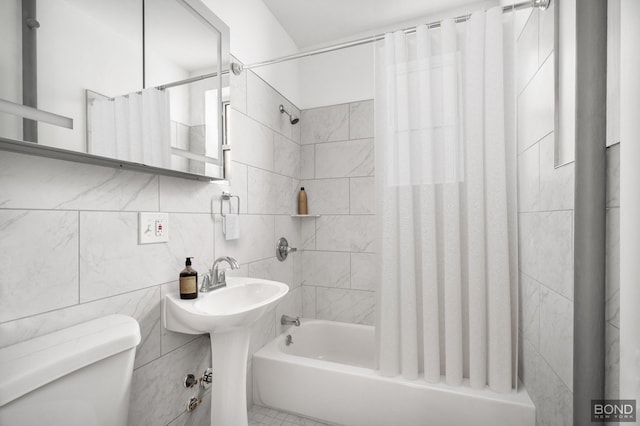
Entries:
{"x":283,"y":249}
{"x":206,"y":283}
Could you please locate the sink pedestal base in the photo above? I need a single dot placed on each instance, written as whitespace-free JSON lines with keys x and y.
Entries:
{"x":226,"y":315}
{"x":229,"y":351}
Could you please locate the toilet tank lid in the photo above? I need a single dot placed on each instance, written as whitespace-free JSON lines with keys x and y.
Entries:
{"x":32,"y":364}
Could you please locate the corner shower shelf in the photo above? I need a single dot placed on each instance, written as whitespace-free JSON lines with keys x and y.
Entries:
{"x":305,"y":215}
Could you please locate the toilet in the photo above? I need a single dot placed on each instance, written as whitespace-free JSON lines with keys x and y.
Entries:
{"x":80,"y":375}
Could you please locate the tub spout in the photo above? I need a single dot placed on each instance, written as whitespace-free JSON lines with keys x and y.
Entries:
{"x":287,"y":320}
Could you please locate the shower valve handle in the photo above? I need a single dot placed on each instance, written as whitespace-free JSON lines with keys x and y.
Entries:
{"x":283,"y":249}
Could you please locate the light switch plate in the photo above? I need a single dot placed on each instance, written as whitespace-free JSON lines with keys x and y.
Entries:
{"x":153,"y":227}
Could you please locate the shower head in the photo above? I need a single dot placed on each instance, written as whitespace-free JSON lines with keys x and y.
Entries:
{"x":292,"y":119}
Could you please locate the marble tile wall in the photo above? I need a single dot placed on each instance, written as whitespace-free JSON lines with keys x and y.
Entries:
{"x":68,"y":238}
{"x":266,"y":174}
{"x":612,"y":307}
{"x":337,"y":171}
{"x":546,"y":204}
{"x":69,"y":252}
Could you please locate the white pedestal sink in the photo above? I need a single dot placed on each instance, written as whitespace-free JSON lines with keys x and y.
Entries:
{"x":226,"y":314}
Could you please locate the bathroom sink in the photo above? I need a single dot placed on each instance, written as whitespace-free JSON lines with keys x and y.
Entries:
{"x":239,"y":304}
{"x":226,"y":315}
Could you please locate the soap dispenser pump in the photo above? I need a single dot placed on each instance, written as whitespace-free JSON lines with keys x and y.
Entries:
{"x":188,"y":281}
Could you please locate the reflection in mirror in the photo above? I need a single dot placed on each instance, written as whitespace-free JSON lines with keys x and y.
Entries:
{"x":565,"y":62}
{"x":77,"y":44}
{"x":152,"y":97}
{"x":183,"y":61}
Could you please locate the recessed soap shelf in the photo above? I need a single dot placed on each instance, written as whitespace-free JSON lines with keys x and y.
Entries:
{"x":305,"y":215}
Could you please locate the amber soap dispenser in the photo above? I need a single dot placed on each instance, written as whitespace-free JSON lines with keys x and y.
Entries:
{"x":188,"y":281}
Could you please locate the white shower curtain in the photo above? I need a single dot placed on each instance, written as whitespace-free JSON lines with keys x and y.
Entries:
{"x":135,"y":127}
{"x":445,"y":190}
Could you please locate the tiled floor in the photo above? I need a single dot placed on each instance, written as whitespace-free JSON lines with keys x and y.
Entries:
{"x":262,"y":416}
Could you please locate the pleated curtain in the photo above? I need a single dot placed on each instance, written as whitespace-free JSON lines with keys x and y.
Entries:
{"x":134,"y":127}
{"x":445,"y":193}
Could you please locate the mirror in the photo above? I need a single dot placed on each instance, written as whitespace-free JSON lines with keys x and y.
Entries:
{"x":565,"y":76}
{"x":131,"y":83}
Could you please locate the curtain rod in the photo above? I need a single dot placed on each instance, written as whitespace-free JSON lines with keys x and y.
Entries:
{"x":190,"y":80}
{"x":237,"y":68}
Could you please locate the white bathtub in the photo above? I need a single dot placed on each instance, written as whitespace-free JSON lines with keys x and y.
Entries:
{"x":327,"y":374}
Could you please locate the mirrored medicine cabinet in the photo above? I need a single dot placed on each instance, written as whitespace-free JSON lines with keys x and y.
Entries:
{"x":136,"y":84}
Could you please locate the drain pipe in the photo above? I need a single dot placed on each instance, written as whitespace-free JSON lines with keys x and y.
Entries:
{"x":590,"y":208}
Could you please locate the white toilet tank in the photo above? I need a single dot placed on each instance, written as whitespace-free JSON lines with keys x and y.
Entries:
{"x":79,"y":376}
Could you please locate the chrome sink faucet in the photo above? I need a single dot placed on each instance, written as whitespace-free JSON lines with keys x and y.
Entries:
{"x":217,"y":279}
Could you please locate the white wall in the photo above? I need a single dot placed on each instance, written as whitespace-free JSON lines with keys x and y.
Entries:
{"x":257,"y":36}
{"x":348,"y":75}
{"x":613,"y":72}
{"x":565,"y":86}
{"x":63,"y":64}
{"x":77,"y":51}
{"x":338,"y":77}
